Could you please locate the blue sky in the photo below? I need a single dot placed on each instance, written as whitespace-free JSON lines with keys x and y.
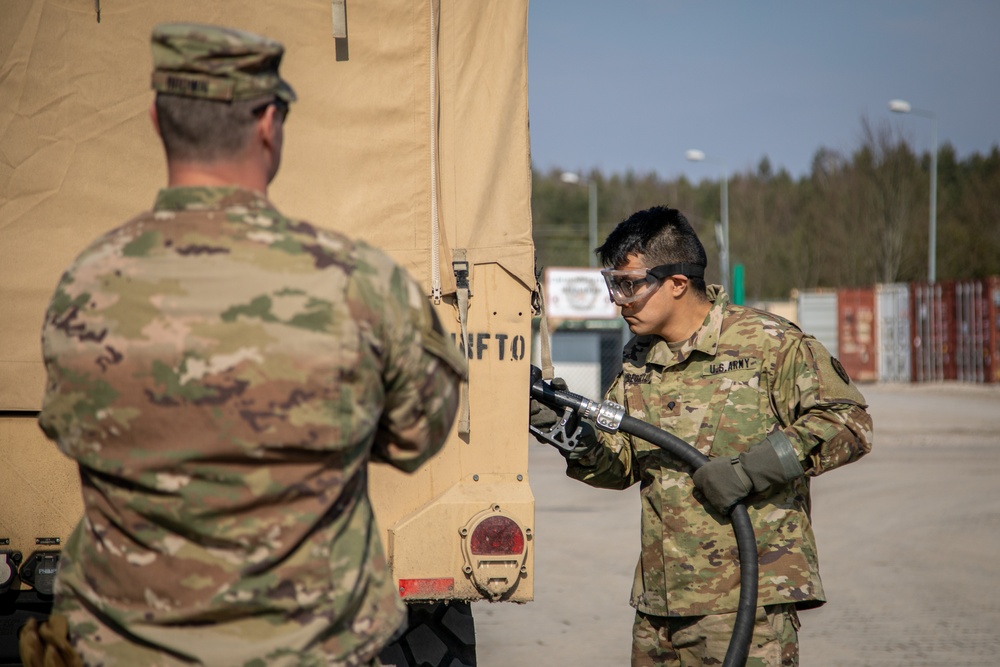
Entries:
{"x":633,"y":84}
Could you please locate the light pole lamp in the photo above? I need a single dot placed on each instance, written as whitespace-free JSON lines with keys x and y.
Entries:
{"x":574,"y":179}
{"x":902,"y":106}
{"x":695,"y":155}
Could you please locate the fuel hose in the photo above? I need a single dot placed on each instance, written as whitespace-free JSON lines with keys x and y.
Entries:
{"x":611,"y":417}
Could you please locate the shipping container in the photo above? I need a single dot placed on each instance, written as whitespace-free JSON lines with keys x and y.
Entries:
{"x":972,"y":330}
{"x":817,"y":313}
{"x":788,"y":309}
{"x":932,"y":331}
{"x":857,"y":347}
{"x":892,"y":331}
{"x":993,"y":348}
{"x":977,"y":327}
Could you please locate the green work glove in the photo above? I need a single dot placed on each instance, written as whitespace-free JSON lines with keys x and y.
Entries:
{"x":576,"y":439}
{"x":586,"y":442}
{"x":542,"y":416}
{"x":726,"y":481}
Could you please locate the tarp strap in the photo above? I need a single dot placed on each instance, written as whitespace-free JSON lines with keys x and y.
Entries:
{"x":339,"y":11}
{"x":436,"y":292}
{"x":545,"y":353}
{"x":460,"y":265}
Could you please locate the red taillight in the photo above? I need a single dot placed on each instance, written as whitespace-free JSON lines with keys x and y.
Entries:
{"x":496,"y":535}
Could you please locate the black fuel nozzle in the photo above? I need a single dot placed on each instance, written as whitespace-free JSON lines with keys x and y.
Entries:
{"x":564,"y":435}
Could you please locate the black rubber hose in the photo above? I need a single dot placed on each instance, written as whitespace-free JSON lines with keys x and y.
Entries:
{"x":739,"y":644}
{"x":746,"y":541}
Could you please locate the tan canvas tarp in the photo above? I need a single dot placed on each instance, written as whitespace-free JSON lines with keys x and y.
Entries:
{"x":78,"y":154}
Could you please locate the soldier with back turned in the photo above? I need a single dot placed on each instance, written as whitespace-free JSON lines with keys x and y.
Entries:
{"x":223,"y":375}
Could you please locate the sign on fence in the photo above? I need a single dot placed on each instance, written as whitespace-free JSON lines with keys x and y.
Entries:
{"x":577,"y":294}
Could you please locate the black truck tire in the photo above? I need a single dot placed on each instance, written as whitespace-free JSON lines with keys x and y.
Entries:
{"x":438,"y":634}
{"x":16,"y":607}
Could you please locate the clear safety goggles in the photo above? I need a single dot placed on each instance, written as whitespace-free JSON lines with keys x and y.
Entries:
{"x":629,"y":286}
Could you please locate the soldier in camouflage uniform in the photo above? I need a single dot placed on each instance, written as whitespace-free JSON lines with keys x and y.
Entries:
{"x":223,"y":375}
{"x":764,"y":401}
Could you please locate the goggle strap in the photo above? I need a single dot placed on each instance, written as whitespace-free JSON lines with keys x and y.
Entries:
{"x":664,"y":271}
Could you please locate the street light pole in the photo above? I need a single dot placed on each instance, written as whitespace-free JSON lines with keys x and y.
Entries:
{"x":574,"y":179}
{"x":695,"y":155}
{"x":902,"y":106}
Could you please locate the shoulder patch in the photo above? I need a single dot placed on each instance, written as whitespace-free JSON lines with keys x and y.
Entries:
{"x":827,"y":367}
{"x":839,"y":368}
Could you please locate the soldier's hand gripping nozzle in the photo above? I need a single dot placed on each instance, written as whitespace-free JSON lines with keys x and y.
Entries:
{"x":568,"y":432}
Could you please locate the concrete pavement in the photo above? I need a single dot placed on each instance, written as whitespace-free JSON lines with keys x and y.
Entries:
{"x":909,"y":541}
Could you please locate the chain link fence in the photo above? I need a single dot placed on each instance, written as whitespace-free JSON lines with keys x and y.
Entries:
{"x":588,"y":355}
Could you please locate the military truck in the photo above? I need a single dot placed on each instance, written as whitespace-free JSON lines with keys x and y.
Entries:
{"x":411,"y":132}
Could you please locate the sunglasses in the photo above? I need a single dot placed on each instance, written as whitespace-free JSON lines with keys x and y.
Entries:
{"x":629,"y":286}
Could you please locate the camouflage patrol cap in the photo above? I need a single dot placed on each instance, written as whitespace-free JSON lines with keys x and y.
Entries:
{"x":216,"y":63}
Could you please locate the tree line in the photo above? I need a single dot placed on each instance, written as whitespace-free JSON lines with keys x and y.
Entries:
{"x":854,"y":220}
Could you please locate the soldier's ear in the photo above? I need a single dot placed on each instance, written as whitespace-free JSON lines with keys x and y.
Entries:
{"x":678,"y":284}
{"x":269,"y":138}
{"x":267,"y":126}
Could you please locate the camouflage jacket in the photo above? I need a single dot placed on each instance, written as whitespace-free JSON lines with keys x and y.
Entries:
{"x":743,"y":374}
{"x":223,"y":375}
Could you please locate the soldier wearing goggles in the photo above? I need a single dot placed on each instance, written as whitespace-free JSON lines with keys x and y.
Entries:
{"x":768,"y":405}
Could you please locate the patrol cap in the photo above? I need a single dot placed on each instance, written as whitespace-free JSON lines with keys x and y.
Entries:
{"x":216,"y":63}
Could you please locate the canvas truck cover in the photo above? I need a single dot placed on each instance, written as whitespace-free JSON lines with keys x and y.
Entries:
{"x":410,"y":131}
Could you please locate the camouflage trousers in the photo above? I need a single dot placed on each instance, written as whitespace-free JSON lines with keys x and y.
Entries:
{"x":91,"y":643}
{"x":660,"y":641}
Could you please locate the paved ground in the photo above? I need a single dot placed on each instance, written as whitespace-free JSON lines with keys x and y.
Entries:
{"x":909,"y":542}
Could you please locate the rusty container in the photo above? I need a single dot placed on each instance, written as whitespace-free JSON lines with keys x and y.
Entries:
{"x":991,"y":287}
{"x":856,"y":333}
{"x":932,"y":331}
{"x":972,"y":330}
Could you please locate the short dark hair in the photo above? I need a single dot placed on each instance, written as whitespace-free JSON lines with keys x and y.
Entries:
{"x":201,"y":130}
{"x":661,"y":235}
